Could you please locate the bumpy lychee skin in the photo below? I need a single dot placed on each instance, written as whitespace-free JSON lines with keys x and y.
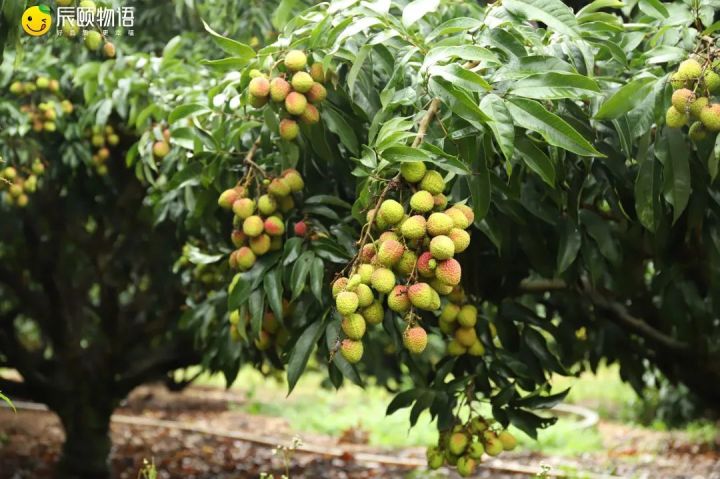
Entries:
{"x":441,"y":201}
{"x":421,"y":296}
{"x":413,"y":171}
{"x":466,"y":466}
{"x":368,"y":252}
{"x":353,"y":282}
{"x":390,"y":252}
{"x":274,"y":226}
{"x":675,"y":118}
{"x":697,"y":131}
{"x":339,"y":285}
{"x":267,"y":204}
{"x":383,"y":280}
{"x":365,"y":271}
{"x":293,"y":179}
{"x":310,"y":116}
{"x":460,"y":238}
{"x":295,"y":60}
{"x":245,"y":258}
{"x":406,"y":265}
{"x":697,"y":106}
{"x":374,"y":313}
{"x":422,"y":201}
{"x":353,"y":326}
{"x":259,"y":87}
{"x":238,"y":238}
{"x":449,"y":272}
{"x":439,"y":224}
{"x":433,"y":182}
{"x":458,"y":442}
{"x":365,"y":295}
{"x":279,"y":187}
{"x":317,"y":93}
{"x":260,"y":244}
{"x":279,"y":89}
{"x":253,"y":226}
{"x":351,"y":350}
{"x":391,"y":211}
{"x":476,"y":450}
{"x":466,"y":336}
{"x":508,"y":441}
{"x":388,"y":236}
{"x":288,"y":129}
{"x":458,"y":217}
{"x":347,"y":303}
{"x":712,"y":81}
{"x":710,"y":117}
{"x":449,"y":312}
{"x":426,"y":265}
{"x":317,"y":73}
{"x":398,"y":299}
{"x":682,"y":98}
{"x":467,"y":210}
{"x":415,"y":339}
{"x":467,"y":316}
{"x":679,"y":81}
{"x":227,"y":198}
{"x":302,"y":82}
{"x":295,"y":103}
{"x":413,"y":227}
{"x":690,"y":69}
{"x":442,"y":247}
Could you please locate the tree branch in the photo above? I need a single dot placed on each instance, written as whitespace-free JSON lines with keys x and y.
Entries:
{"x":541,"y":285}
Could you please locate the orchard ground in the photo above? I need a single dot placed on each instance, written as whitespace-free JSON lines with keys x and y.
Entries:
{"x":354,"y":420}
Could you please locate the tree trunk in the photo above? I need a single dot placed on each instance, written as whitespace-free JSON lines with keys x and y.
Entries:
{"x":86,"y":450}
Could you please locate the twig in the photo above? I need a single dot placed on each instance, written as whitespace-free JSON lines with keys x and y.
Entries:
{"x":249,"y":157}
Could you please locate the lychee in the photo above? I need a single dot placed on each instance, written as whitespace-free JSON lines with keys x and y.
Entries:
{"x":426,"y":265}
{"x":244,"y":258}
{"x":295,"y":60}
{"x":353,"y":326}
{"x":365,"y":295}
{"x":263,"y":341}
{"x":682,"y":98}
{"x":253,"y":226}
{"x":243,"y":207}
{"x":293,"y":179}
{"x":413,"y":227}
{"x":274,"y":226}
{"x":227,"y":198}
{"x":288,"y":129}
{"x":469,"y":213}
{"x":467,"y":316}
{"x":466,"y":336}
{"x":460,"y":238}
{"x":301,"y":82}
{"x":295,"y":103}
{"x":449,"y":312}
{"x":310,"y":116}
{"x":391,"y":211}
{"x":415,"y":339}
{"x":365,"y":271}
{"x":697,"y":106}
{"x":279,"y":89}
{"x":317,"y":73}
{"x":458,"y":217}
{"x":439,"y":224}
{"x":278,"y":187}
{"x":259,"y":87}
{"x":697,"y":131}
{"x":493,"y":445}
{"x":317,"y":93}
{"x":710,"y":117}
{"x":422,"y":201}
{"x":300,"y":228}
{"x":413,"y":171}
{"x":454,"y":348}
{"x":93,"y":39}
{"x":260,"y":244}
{"x":383,"y":280}
{"x":508,"y":440}
{"x":367,"y":253}
{"x":286,"y":204}
{"x":374,"y":313}
{"x":351,"y":350}
{"x":267,"y":204}
{"x":689,"y":69}
{"x":442,"y":247}
{"x":398,"y":299}
{"x":406,"y":265}
{"x":475,"y":450}
{"x":421,"y":296}
{"x":712,"y":81}
{"x":339,"y":285}
{"x":390,"y":252}
{"x":433,"y":182}
{"x":466,"y":466}
{"x":347,"y":302}
{"x":160,"y":149}
{"x":238,"y":238}
{"x":457,"y":443}
{"x":449,"y":272}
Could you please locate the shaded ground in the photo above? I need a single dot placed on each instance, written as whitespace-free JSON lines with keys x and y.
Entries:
{"x":30,"y":442}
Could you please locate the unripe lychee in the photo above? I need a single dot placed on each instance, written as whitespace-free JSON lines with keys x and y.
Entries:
{"x":160,"y":149}
{"x":263,"y":341}
{"x":365,"y":272}
{"x":279,"y":89}
{"x":435,"y":459}
{"x":339,"y":285}
{"x":426,"y":265}
{"x":413,"y":227}
{"x":259,"y":87}
{"x":697,"y":131}
{"x":317,"y":93}
{"x":467,"y":317}
{"x":413,"y":171}
{"x":383,"y":280}
{"x":376,"y":219}
{"x":697,"y":106}
{"x":476,"y":450}
{"x":286,"y":204}
{"x":295,"y":60}
{"x":469,"y":213}
{"x":244,"y":258}
{"x":279,"y":187}
{"x":293,"y":179}
{"x":508,"y":440}
{"x":365,"y":295}
{"x":449,"y":312}
{"x":317,"y":73}
{"x":367,"y":253}
{"x":398,"y":299}
{"x":458,"y":442}
{"x":477,"y":349}
{"x":433,"y":182}
{"x":712,"y":81}
{"x":458,"y":217}
{"x":421,"y":296}
{"x":466,"y":466}
{"x":406,"y":265}
{"x":113,"y":139}
{"x":93,"y":39}
{"x":295,"y":103}
{"x":253,"y":226}
{"x":446,"y":327}
{"x":710,"y":117}
{"x":493,"y":445}
{"x":439,"y":224}
{"x":422,"y":201}
{"x":679,"y":81}
{"x":454,"y":348}
{"x":388,"y":236}
{"x":260,"y":244}
{"x":302,"y":82}
{"x":353,"y":326}
{"x":415,"y":339}
{"x":227,"y":198}
{"x":682,"y":98}
{"x":690,"y":69}
{"x":460,"y":238}
{"x":353,"y":282}
{"x":300,"y":228}
{"x":347,"y":303}
{"x":274,"y":226}
{"x":270,"y":323}
{"x":243,"y":208}
{"x":449,"y":272}
{"x":466,"y":336}
{"x":390,"y":252}
{"x":238,"y":238}
{"x":374,"y":313}
{"x":442,"y":247}
{"x":267,"y":204}
{"x":351,"y":350}
{"x":276,"y":243}
{"x":288,"y":129}
{"x":310,"y":116}
{"x":391,"y":211}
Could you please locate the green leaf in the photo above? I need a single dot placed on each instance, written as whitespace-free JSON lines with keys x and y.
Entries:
{"x":356,"y":67}
{"x":238,"y":50}
{"x":569,"y":244}
{"x":674,"y":153}
{"x":317,"y":272}
{"x":183,"y":111}
{"x":256,"y":306}
{"x":714,"y":160}
{"x":461,"y":77}
{"x":402,"y":400}
{"x":401,"y":154}
{"x":283,"y":13}
{"x":333,"y":333}
{"x":542,"y":402}
{"x":195,"y":256}
{"x":8,"y":401}
{"x":555,"y":14}
{"x":337,"y":123}
{"x":230,"y":63}
{"x":459,"y":102}
{"x":300,"y":272}
{"x":654,"y":8}
{"x":240,"y":292}
{"x":466,"y":52}
{"x":454,"y":25}
{"x":417,"y":9}
{"x":536,"y":160}
{"x":554,"y":86}
{"x":301,"y":352}
{"x":272,"y":283}
{"x":528,"y":422}
{"x":479,"y":185}
{"x":556,"y":131}
{"x":599,"y":231}
{"x":647,"y":193}
{"x":625,"y":98}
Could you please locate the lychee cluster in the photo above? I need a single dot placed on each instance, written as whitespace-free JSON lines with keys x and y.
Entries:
{"x":45,"y":104}
{"x":16,"y":184}
{"x":463,"y":446}
{"x":273,"y":333}
{"x":259,"y":225}
{"x":297,"y":92}
{"x":102,"y":139}
{"x":92,"y":38}
{"x":458,"y":319}
{"x":409,"y":266}
{"x":694,"y":84}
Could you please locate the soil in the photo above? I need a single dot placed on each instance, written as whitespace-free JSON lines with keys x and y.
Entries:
{"x":30,"y":443}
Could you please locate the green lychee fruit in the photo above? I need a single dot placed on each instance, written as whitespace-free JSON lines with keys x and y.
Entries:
{"x":109,"y":50}
{"x":439,"y":224}
{"x":365,"y":271}
{"x":398,"y":299}
{"x":88,"y":5}
{"x":353,"y":282}
{"x":274,"y":226}
{"x":288,"y":129}
{"x":508,"y":440}
{"x":435,"y":460}
{"x":317,"y":93}
{"x":421,"y":296}
{"x":310,"y":116}
{"x":302,"y":82}
{"x":279,"y":187}
{"x":351,"y":350}
{"x":413,"y":171}
{"x":228,"y":198}
{"x":458,"y":217}
{"x":317,"y":73}
{"x":383,"y":280}
{"x":712,"y":81}
{"x":42,"y":82}
{"x":440,"y":287}
{"x":253,"y":226}
{"x":267,"y":204}
{"x":353,"y":326}
{"x":339,"y":285}
{"x":374,"y":313}
{"x":476,"y":450}
{"x":294,"y":179}
{"x":243,"y":208}
{"x":446,"y":327}
{"x":391,"y":211}
{"x":390,"y":252}
{"x":466,"y":466}
{"x":450,"y":312}
{"x":413,"y":227}
{"x":245,"y":258}
{"x":279,"y":89}
{"x":93,"y":39}
{"x":460,"y":238}
{"x":426,"y":265}
{"x":365,"y":295}
{"x":238,"y":238}
{"x":295,"y":103}
{"x":710,"y":117}
{"x":347,"y":303}
{"x":467,"y":210}
{"x":259,"y":87}
{"x":415,"y":339}
{"x":466,"y":336}
{"x":682,"y":98}
{"x":454,"y":348}
{"x":457,"y":443}
{"x":493,"y":446}
{"x":422,"y":201}
{"x":467,"y":316}
{"x":442,"y":247}
{"x":160,"y":149}
{"x":679,"y":81}
{"x":295,"y":60}
{"x":406,"y":265}
{"x":697,"y":131}
{"x":388,"y":236}
{"x":477,"y":349}
{"x":689,"y":69}
{"x":263,"y":341}
{"x":260,"y":244}
{"x":270,"y":323}
{"x":697,"y":106}
{"x":433,"y":182}
{"x":478,"y":425}
{"x":449,"y":272}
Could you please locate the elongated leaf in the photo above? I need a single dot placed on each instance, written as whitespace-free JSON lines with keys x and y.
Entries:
{"x":272,"y":283}
{"x":556,"y":131}
{"x":542,"y":402}
{"x":256,"y":306}
{"x":403,"y":400}
{"x":8,"y":401}
{"x":675,"y":156}
{"x":301,"y":352}
{"x":625,"y":98}
{"x":317,"y":272}
{"x":183,"y":111}
{"x":232,"y":47}
{"x":239,"y":292}
{"x":569,"y":244}
{"x":459,"y":102}
{"x":536,"y":160}
{"x":357,"y":66}
{"x":555,"y":85}
{"x":466,"y":52}
{"x":300,"y":272}
{"x":461,"y":77}
{"x":417,"y":9}
{"x":552,"y":13}
{"x":647,"y":193}
{"x":454,"y":25}
{"x":654,"y":8}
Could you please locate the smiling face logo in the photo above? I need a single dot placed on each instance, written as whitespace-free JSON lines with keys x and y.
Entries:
{"x":36,"y":21}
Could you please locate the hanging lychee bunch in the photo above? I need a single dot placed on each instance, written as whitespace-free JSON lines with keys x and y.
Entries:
{"x":463,"y":446}
{"x":297,"y":92}
{"x":409,"y":266}
{"x":45,"y":105}
{"x":273,"y":333}
{"x":16,"y":184}
{"x":258,"y":221}
{"x":695,"y":82}
{"x":458,"y":319}
{"x":102,"y":140}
